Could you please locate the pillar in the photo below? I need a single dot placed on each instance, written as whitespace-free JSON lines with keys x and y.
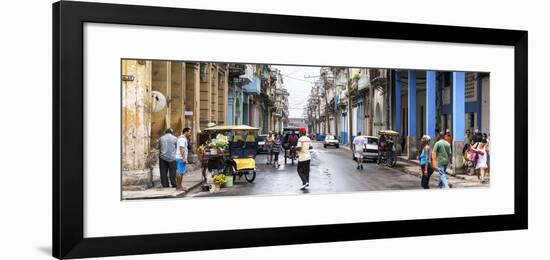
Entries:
{"x":192,"y":99}
{"x":458,"y":106}
{"x":411,"y":120}
{"x":222,"y":95}
{"x":430,"y":103}
{"x":177,"y":102}
{"x":136,"y":124}
{"x":214,"y":82}
{"x":397,"y":87}
{"x":205,"y":94}
{"x":458,"y":120}
{"x":161,"y":82}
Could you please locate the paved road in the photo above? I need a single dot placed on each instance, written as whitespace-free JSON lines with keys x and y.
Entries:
{"x":332,"y":170}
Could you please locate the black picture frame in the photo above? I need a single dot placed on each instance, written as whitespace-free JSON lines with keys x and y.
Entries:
{"x":68,"y":128}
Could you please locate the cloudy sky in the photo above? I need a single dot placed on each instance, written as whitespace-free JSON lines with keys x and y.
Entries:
{"x":298,"y":80}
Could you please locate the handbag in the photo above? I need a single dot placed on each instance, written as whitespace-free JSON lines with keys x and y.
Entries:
{"x":433,"y":159}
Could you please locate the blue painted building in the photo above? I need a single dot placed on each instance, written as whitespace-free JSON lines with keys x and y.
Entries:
{"x":426,"y":101}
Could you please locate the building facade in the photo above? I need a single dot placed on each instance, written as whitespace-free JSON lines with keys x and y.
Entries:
{"x":160,"y":94}
{"x":346,"y":101}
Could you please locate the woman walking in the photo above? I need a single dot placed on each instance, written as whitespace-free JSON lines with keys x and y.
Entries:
{"x":426,"y":166}
{"x":467,"y":161}
{"x":276,"y":149}
{"x":268,"y":146}
{"x":481,"y":165}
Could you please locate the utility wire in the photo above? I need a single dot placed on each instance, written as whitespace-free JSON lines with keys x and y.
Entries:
{"x":297,"y":78}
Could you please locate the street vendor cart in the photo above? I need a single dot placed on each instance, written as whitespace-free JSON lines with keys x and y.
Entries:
{"x":231,"y":150}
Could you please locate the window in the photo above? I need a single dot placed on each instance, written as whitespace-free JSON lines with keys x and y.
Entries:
{"x":372,"y":141}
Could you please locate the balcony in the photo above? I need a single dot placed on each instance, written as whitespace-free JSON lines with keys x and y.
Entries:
{"x":254,"y":86}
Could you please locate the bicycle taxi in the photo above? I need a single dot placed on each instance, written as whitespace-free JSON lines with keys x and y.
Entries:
{"x":289,"y":145}
{"x":386,"y":147}
{"x":230,"y":150}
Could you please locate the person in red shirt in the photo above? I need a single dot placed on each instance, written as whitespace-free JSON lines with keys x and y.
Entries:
{"x":448,"y":137}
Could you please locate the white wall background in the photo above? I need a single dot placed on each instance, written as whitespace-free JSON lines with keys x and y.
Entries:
{"x":25,"y":193}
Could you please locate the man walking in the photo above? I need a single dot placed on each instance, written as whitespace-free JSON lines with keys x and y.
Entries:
{"x":181,"y":156}
{"x":167,"y":157}
{"x":442,"y":150}
{"x":358,"y":145}
{"x":302,"y":148}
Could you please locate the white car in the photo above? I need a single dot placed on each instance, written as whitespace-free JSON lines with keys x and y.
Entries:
{"x":330,"y":140}
{"x":370,"y":151}
{"x":261,"y":143}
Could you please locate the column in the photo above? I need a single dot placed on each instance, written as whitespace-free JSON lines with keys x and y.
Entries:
{"x":161,"y":82}
{"x":136,"y":124}
{"x":205,"y":94}
{"x":411,"y":120}
{"x":458,"y":120}
{"x":430,"y":103}
{"x":397,"y":87}
{"x":458,"y":106}
{"x":192,"y":99}
{"x":214,"y":74}
{"x":229,"y":120}
{"x":177,"y":103}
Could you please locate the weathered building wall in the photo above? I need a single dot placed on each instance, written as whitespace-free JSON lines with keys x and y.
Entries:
{"x":177,"y":103}
{"x":205,"y":94}
{"x":214,"y":92}
{"x":223,"y":95}
{"x":136,"y":123}
{"x":162,"y":83}
{"x":192,"y":97}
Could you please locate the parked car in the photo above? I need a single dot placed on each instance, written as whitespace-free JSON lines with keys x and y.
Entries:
{"x":331,"y":140}
{"x":261,"y":143}
{"x":370,"y":152}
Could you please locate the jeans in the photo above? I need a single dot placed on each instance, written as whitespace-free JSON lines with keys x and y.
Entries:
{"x":442,"y":176}
{"x":303,"y":171}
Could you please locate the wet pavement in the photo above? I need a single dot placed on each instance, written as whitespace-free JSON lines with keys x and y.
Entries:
{"x":332,"y":170}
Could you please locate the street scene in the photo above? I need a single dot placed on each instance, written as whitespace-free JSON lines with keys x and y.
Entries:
{"x":200,"y":129}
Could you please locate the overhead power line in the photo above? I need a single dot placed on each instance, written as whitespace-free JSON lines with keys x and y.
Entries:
{"x":297,"y":78}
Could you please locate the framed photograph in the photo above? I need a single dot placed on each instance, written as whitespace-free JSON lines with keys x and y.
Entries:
{"x":181,"y":129}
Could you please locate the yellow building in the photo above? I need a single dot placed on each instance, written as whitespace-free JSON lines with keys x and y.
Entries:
{"x":161,"y":94}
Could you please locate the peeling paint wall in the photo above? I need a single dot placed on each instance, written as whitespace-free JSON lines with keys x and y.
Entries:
{"x":185,"y":89}
{"x":223,"y":79}
{"x":177,"y":119}
{"x":162,"y":83}
{"x":205,"y":94}
{"x":192,"y":97}
{"x":214,"y":93}
{"x":136,"y":115}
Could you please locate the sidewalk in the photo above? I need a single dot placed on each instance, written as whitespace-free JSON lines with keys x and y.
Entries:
{"x":455,"y":180}
{"x":191,"y":180}
{"x":412,"y":167}
{"x":345,"y":146}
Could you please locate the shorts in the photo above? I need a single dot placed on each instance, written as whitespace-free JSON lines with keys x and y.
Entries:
{"x":275,"y":156}
{"x":180,"y":167}
{"x":359,"y":155}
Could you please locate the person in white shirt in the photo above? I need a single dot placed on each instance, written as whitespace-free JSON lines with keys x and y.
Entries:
{"x":304,"y":157}
{"x":182,"y":153}
{"x":358,"y":145}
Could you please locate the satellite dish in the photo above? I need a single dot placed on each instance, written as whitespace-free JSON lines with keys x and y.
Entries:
{"x":159,"y":101}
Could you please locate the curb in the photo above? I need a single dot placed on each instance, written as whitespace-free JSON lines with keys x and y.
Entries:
{"x":174,"y":194}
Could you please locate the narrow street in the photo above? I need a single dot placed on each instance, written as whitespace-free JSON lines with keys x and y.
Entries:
{"x":332,"y":170}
